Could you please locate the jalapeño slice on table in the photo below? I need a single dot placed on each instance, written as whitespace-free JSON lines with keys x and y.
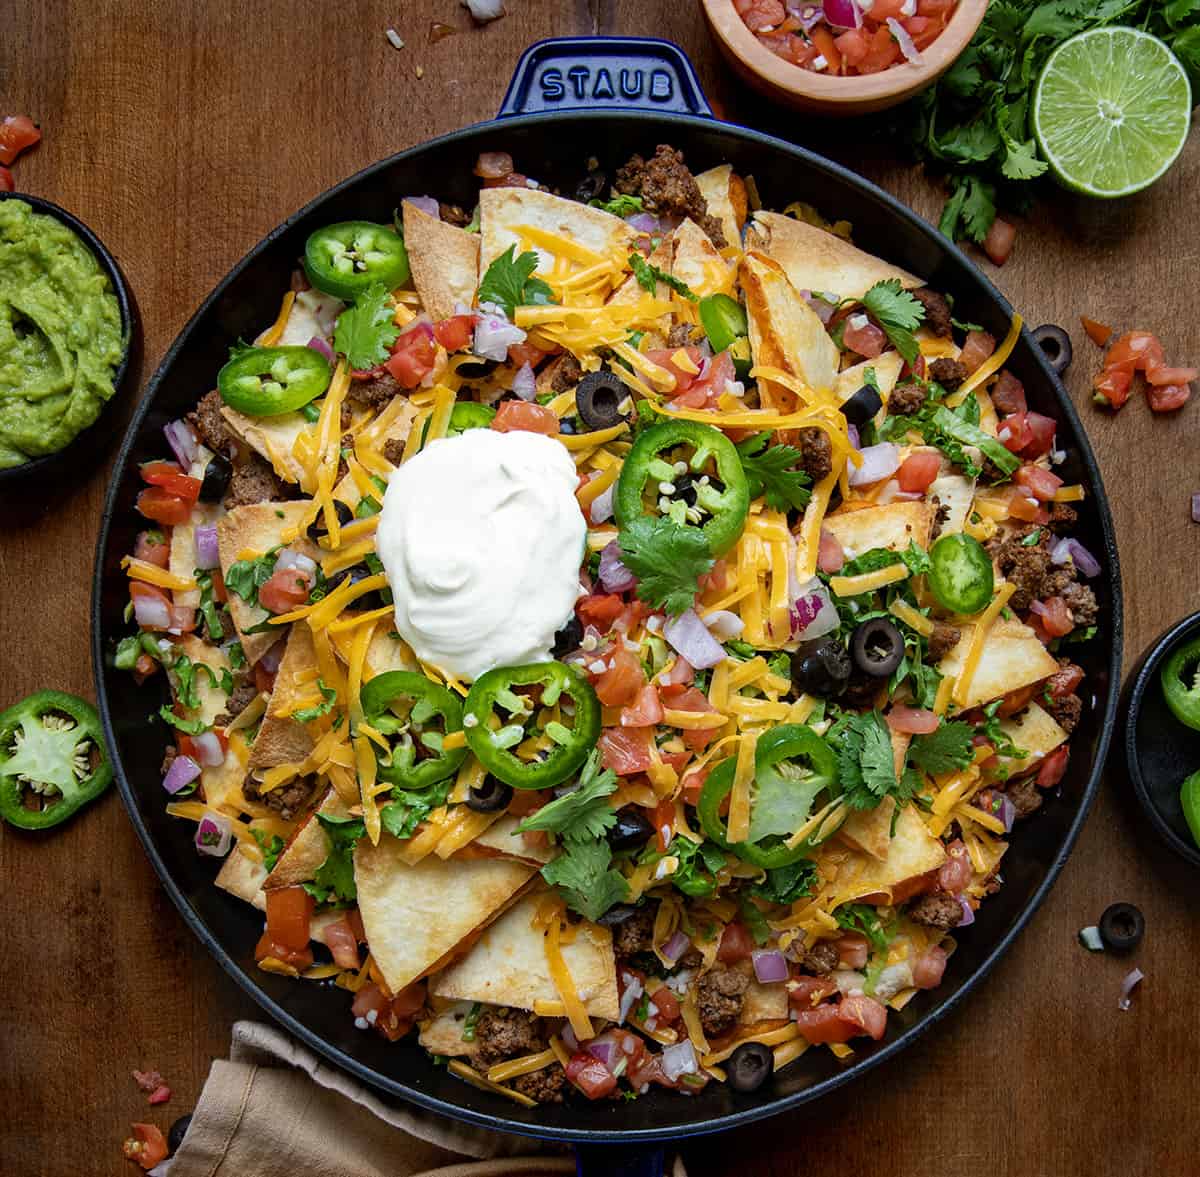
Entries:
{"x":532,"y":726}
{"x":415,"y":714}
{"x":344,"y":259}
{"x":690,"y":473}
{"x":1180,"y":677}
{"x":52,"y":759}
{"x":267,"y":381}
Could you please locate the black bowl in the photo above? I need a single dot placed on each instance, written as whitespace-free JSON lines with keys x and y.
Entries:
{"x":1159,"y":750}
{"x":79,"y":454}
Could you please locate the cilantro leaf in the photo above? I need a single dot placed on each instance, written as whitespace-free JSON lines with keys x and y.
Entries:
{"x":914,"y":558}
{"x":408,"y":808}
{"x":666,"y":559}
{"x":365,"y":331}
{"x":621,"y":205}
{"x":648,"y":276}
{"x":246,"y":577}
{"x":328,"y":697}
{"x":861,"y":917}
{"x":271,"y":848}
{"x":771,"y":471}
{"x":334,"y":878}
{"x":786,"y":884}
{"x":898,"y":313}
{"x":584,"y":875}
{"x":943,"y":750}
{"x":509,"y":282}
{"x":582,"y":813}
{"x":866,"y":768}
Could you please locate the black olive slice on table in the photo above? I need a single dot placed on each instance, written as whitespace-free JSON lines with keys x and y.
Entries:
{"x":821,"y":668}
{"x":1122,"y":927}
{"x":877,"y":647}
{"x":862,"y":406}
{"x":749,"y":1066}
{"x":491,"y":796}
{"x":1056,"y":343}
{"x":598,"y":398}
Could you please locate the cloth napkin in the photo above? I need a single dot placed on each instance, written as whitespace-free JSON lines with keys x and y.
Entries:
{"x":275,"y":1109}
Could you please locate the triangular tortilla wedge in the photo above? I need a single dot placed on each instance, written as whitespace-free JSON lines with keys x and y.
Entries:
{"x":258,"y":527}
{"x":415,"y":916}
{"x":312,"y":313}
{"x":444,"y":261}
{"x":271,"y":438}
{"x":887,"y":371}
{"x":502,"y":837}
{"x":762,"y":1003}
{"x":725,"y":195}
{"x":182,"y":557}
{"x":1012,"y":658}
{"x":443,"y":1033}
{"x":912,"y":852}
{"x":697,"y":261}
{"x":308,"y":846}
{"x":502,"y":211}
{"x":891,"y":526}
{"x":388,"y":653}
{"x":870,"y":830}
{"x":816,"y":260}
{"x":281,"y":739}
{"x":212,"y":699}
{"x":507,"y":965}
{"x":241,"y":876}
{"x":953,"y":492}
{"x":1035,"y":732}
{"x":784,"y":330}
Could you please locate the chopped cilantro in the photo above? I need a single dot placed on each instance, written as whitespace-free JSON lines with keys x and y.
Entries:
{"x":666,"y":559}
{"x":246,"y":577}
{"x":509,"y":282}
{"x":786,"y":884}
{"x":334,"y":878}
{"x":943,"y":750}
{"x":898,"y":313}
{"x":365,"y":331}
{"x":649,"y":275}
{"x":866,"y":768}
{"x":585,"y":877}
{"x":585,"y":811}
{"x":774,"y":471}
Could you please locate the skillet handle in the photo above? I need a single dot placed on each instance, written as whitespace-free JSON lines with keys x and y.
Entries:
{"x":621,"y":73}
{"x":619,"y":1160}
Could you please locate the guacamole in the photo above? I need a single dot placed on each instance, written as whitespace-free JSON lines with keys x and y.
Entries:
{"x":61,"y":338}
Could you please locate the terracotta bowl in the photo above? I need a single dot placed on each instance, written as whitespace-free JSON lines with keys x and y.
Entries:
{"x":806,"y":90}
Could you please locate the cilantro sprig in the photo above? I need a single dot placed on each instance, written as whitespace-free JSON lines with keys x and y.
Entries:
{"x":365,"y":331}
{"x":333,"y":880}
{"x":621,"y":205}
{"x":943,"y":750}
{"x":649,"y":275}
{"x":666,"y":559}
{"x":898,"y":313}
{"x":509,"y":282}
{"x":774,"y":472}
{"x":583,"y":812}
{"x":866,"y":766}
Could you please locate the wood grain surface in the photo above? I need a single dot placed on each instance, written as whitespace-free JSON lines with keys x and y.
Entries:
{"x":183,"y":131}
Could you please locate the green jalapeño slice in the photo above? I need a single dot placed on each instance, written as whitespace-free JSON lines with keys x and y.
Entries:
{"x":415,"y":715}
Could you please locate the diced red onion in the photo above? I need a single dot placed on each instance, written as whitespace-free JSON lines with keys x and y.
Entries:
{"x":724,"y":625}
{"x":968,"y":912}
{"x":1196,"y":507}
{"x":1071,"y":549}
{"x":843,"y":14}
{"x":1039,"y":607}
{"x":602,"y":1048}
{"x":1131,"y":982}
{"x":290,"y":558}
{"x":633,"y":991}
{"x":1007,"y":812}
{"x":271,"y":659}
{"x":214,"y":835}
{"x":321,"y":346}
{"x":182,"y":772}
{"x":679,"y":1059}
{"x":426,"y":204}
{"x":568,"y":1037}
{"x":808,"y":14}
{"x":770,"y":966}
{"x":902,"y":38}
{"x":853,"y":434}
{"x":813,"y":613}
{"x":152,"y":612}
{"x":614,"y":576}
{"x":207,"y":554}
{"x":602,"y":505}
{"x":674,"y":948}
{"x":643,"y":223}
{"x":525,"y":383}
{"x":208,"y":749}
{"x":822,"y":309}
{"x":183,"y":442}
{"x":689,"y":636}
{"x":494,"y":334}
{"x":876,"y":462}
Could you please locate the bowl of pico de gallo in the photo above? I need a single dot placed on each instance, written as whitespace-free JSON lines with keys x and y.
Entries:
{"x":842,"y":57}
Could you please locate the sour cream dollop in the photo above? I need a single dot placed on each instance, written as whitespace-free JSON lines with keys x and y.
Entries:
{"x":481,"y":538}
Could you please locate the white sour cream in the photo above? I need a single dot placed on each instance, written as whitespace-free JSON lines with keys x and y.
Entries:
{"x":481,"y":538}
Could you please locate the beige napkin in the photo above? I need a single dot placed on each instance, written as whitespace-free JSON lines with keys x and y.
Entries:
{"x":277,"y":1110}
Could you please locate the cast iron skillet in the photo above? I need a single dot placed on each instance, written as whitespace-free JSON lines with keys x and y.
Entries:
{"x":567,"y":86}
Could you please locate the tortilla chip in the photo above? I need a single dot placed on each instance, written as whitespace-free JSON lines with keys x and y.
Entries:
{"x":212,"y":698}
{"x":271,"y":438}
{"x":784,"y":330}
{"x":502,"y":837}
{"x":887,"y":372}
{"x":696,"y":261}
{"x":1035,"y":732}
{"x":502,"y":211}
{"x":631,"y":290}
{"x":507,"y":966}
{"x":816,"y":260}
{"x":891,"y":526}
{"x":443,"y":1033}
{"x":312,"y":313}
{"x":308,"y":847}
{"x":912,"y":852}
{"x":241,"y":876}
{"x":281,"y":739}
{"x":258,"y":527}
{"x":388,"y":653}
{"x":953,"y":493}
{"x":416,"y":915}
{"x":870,"y":830}
{"x":763,"y":1003}
{"x":725,"y":195}
{"x":444,"y":261}
{"x":1012,"y":658}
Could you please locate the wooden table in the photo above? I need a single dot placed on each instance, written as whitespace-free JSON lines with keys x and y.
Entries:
{"x":182,"y":132}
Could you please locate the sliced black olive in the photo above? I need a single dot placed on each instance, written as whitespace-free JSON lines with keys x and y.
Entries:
{"x":1122,"y":927}
{"x":489,"y":797}
{"x":598,"y":400}
{"x":475,"y":369}
{"x":371,"y":600}
{"x":1056,"y":343}
{"x":567,"y":425}
{"x":217,"y":474}
{"x":177,"y":1132}
{"x":822,"y":668}
{"x":862,"y":406}
{"x":617,"y":915}
{"x":568,"y":638}
{"x":749,"y":1066}
{"x":631,"y":829}
{"x":316,"y":528}
{"x":877,"y":647}
{"x":591,"y":187}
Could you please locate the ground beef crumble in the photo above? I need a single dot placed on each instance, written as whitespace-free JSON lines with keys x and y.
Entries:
{"x":376,"y":391}
{"x":546,"y":1085}
{"x":206,"y":419}
{"x":1029,"y":567}
{"x":243,"y":694}
{"x":948,"y":373}
{"x":254,"y":481}
{"x":636,"y":934}
{"x":820,"y":959}
{"x":720,"y":994}
{"x":680,"y":335}
{"x":288,"y":800}
{"x":668,"y":189}
{"x":936,"y":911}
{"x":393,"y":450}
{"x":943,"y":639}
{"x":937,"y":311}
{"x":567,"y":373}
{"x":906,"y":399}
{"x":816,"y":452}
{"x":502,"y":1034}
{"x":1024,"y":795}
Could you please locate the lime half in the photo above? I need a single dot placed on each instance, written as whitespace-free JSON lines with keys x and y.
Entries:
{"x":1111,"y":111}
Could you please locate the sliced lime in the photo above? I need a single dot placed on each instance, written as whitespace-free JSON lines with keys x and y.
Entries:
{"x":1111,"y":111}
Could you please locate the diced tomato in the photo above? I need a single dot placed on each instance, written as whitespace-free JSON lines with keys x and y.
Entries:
{"x":913,"y":720}
{"x":169,"y":476}
{"x":298,"y":958}
{"x":525,"y":416}
{"x":924,"y":30}
{"x":631,"y":616}
{"x":1139,"y":348}
{"x":853,"y":46}
{"x":289,"y":915}
{"x":1055,"y":617}
{"x":935,"y":7}
{"x":220,"y":593}
{"x":264,"y":679}
{"x":882,"y":52}
{"x":1166,"y":398}
{"x":413,"y":355}
{"x":882,"y":9}
{"x":1040,"y":483}
{"x":975,"y":349}
{"x":830,"y":556}
{"x":677,"y":678}
{"x":152,"y":547}
{"x":625,"y":750}
{"x":865,"y":1012}
{"x":854,"y":950}
{"x":369,"y":997}
{"x":704,"y":391}
{"x":354,"y":919}
{"x":695,"y":700}
{"x":286,"y":589}
{"x":520,"y":354}
{"x":153,"y":600}
{"x":409,"y":1000}
{"x":693,"y":783}
{"x":805,"y":992}
{"x":1042,"y":430}
{"x":1164,"y":375}
{"x":591,"y":1076}
{"x":1008,"y":394}
{"x":716,"y":578}
{"x":17,"y":132}
{"x":867,"y":340}
{"x":493,"y":165}
{"x":1053,"y":767}
{"x":1112,"y":386}
{"x":1098,"y":333}
{"x":1065,"y":681}
{"x":143,"y":668}
{"x":622,"y":682}
{"x":163,"y":507}
{"x":928,"y":968}
{"x":999,"y":241}
{"x":916,"y":473}
{"x":600,"y":610}
{"x":1014,"y":432}
{"x":849,"y":1018}
{"x":736,"y":943}
{"x":955,"y":873}
{"x":6,"y":180}
{"x":342,"y":943}
{"x":645,"y":711}
{"x":760,"y":15}
{"x":147,"y":1146}
{"x":667,"y":1003}
{"x":454,"y":334}
{"x":663,"y":818}
{"x":527,"y":801}
{"x":1026,"y":509}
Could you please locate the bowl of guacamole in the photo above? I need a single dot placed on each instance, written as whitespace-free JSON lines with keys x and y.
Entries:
{"x":66,"y":329}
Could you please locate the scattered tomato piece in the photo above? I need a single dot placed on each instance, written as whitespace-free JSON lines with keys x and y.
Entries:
{"x":147,"y":1146}
{"x":999,"y":241}
{"x":6,"y":180}
{"x":17,"y":132}
{"x":1098,"y":333}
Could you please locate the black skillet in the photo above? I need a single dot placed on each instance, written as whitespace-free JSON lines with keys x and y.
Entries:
{"x":569,"y":100}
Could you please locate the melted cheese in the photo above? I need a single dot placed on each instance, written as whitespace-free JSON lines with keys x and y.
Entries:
{"x":915,"y":621}
{"x":962,"y":688}
{"x":739,"y":797}
{"x":852,"y":586}
{"x":143,"y":570}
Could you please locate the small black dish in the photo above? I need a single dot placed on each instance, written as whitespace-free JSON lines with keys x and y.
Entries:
{"x":1159,"y":750}
{"x":78,"y":454}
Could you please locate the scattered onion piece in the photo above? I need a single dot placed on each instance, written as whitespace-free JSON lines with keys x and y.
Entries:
{"x":1132,"y":980}
{"x":902,"y":38}
{"x":1090,"y":939}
